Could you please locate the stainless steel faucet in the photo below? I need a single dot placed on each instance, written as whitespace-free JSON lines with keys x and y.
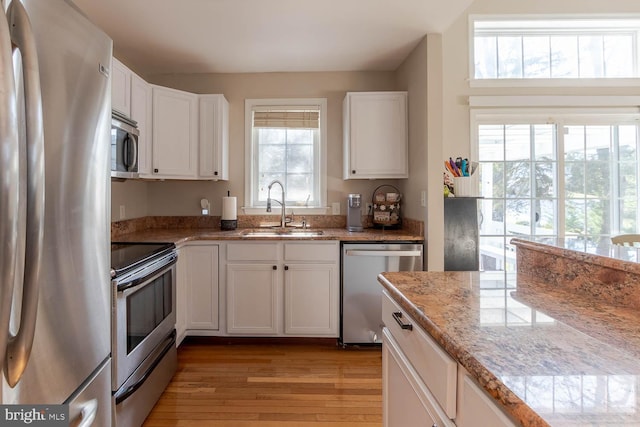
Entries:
{"x":283,"y":219}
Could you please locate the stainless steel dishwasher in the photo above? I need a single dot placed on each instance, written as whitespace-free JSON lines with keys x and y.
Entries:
{"x":361,"y":303}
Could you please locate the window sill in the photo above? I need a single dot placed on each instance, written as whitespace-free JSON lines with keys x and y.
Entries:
{"x":297,"y":210}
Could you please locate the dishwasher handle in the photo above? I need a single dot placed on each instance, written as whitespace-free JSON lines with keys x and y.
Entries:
{"x":356,"y":252}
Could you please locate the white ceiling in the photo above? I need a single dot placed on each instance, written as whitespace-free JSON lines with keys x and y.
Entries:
{"x":234,"y":36}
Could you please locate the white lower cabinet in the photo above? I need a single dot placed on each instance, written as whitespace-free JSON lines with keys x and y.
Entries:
{"x":407,"y":401}
{"x":253,"y":299}
{"x":197,"y":291}
{"x":283,"y":289}
{"x":475,"y":407}
{"x":422,"y":385}
{"x":181,"y":295}
{"x":311,"y":299}
{"x":202,"y":289}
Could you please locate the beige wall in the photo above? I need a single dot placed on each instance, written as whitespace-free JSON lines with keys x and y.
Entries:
{"x":420,"y":74}
{"x":183,"y":197}
{"x":132,"y":196}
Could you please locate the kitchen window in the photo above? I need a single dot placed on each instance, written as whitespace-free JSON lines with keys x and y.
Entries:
{"x":554,"y":50}
{"x":286,"y":141}
{"x":560,"y":174}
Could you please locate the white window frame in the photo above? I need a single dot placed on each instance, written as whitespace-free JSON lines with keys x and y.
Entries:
{"x":561,"y":110}
{"x":547,"y":82}
{"x":251,"y":155}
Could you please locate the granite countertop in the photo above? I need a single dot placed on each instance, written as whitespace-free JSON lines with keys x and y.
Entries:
{"x":184,"y":235}
{"x":549,"y":355}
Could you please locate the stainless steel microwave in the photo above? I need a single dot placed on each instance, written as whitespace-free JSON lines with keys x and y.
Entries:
{"x":124,"y":147}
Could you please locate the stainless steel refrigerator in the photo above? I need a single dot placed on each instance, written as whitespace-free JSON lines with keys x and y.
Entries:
{"x":54,"y":209}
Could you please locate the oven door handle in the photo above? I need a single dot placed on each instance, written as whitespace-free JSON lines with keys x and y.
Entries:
{"x":122,"y":395}
{"x":138,"y":283}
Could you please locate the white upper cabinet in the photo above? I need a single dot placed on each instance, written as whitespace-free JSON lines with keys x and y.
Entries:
{"x":141,"y":105}
{"x":214,"y":137}
{"x":376,"y":143}
{"x":131,"y":96}
{"x":182,"y":135}
{"x":175,"y":134}
{"x":120,"y":88}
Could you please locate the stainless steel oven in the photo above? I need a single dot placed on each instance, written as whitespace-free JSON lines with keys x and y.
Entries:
{"x":143,"y":327}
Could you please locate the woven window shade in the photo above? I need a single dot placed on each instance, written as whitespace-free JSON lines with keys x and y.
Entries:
{"x":286,"y":119}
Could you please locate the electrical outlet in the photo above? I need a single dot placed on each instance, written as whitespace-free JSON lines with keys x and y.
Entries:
{"x":335,"y":208}
{"x":423,"y":198}
{"x":122,"y":212}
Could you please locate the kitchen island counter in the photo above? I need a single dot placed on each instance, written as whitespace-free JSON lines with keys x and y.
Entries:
{"x":548,"y":354}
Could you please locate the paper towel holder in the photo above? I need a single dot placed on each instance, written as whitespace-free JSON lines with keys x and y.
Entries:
{"x":231,"y":221}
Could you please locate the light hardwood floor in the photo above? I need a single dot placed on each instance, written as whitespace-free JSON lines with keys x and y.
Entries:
{"x":272,"y":385}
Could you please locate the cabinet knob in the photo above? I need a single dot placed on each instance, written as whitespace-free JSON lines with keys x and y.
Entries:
{"x":155,"y":171}
{"x":353,"y":172}
{"x":286,"y":267}
{"x":275,"y":267}
{"x":216,"y":173}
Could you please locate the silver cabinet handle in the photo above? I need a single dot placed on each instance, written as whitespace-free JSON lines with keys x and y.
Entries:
{"x":9,"y":175}
{"x":397,"y":316}
{"x":19,"y":346}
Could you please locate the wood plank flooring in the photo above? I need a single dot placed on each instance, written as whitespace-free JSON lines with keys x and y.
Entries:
{"x":272,"y":385}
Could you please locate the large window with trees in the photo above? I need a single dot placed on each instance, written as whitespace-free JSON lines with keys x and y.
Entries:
{"x":573,"y":176}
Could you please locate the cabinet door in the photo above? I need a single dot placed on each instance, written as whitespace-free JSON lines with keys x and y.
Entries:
{"x":476,"y":408}
{"x":253,"y":299}
{"x":120,"y":88}
{"x":181,"y":295}
{"x":203,"y":287}
{"x":141,"y":103}
{"x":214,"y":137}
{"x":376,"y":138}
{"x":175,"y":134}
{"x":406,"y":401}
{"x":311,"y":298}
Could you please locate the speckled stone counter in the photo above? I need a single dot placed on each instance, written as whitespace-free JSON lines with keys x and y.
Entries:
{"x":549,"y":355}
{"x":182,"y":235}
{"x":184,"y":229}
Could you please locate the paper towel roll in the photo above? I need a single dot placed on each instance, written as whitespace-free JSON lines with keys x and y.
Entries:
{"x":229,"y":208}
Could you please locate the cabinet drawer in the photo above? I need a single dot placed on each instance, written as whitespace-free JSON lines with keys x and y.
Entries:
{"x":436,"y":368}
{"x":311,"y":252}
{"x":252,"y":252}
{"x":476,"y":405}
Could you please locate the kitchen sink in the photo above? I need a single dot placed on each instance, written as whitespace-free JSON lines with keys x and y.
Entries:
{"x":278,"y":233}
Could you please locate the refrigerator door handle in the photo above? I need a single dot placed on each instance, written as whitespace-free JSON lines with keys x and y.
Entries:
{"x":19,"y":346}
{"x":87,"y":415}
{"x":9,"y":188}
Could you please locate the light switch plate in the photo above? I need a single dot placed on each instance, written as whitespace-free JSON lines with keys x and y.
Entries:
{"x":122,"y":212}
{"x":423,"y":198}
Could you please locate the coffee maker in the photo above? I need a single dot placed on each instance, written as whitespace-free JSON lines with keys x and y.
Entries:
{"x":354,"y":212}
